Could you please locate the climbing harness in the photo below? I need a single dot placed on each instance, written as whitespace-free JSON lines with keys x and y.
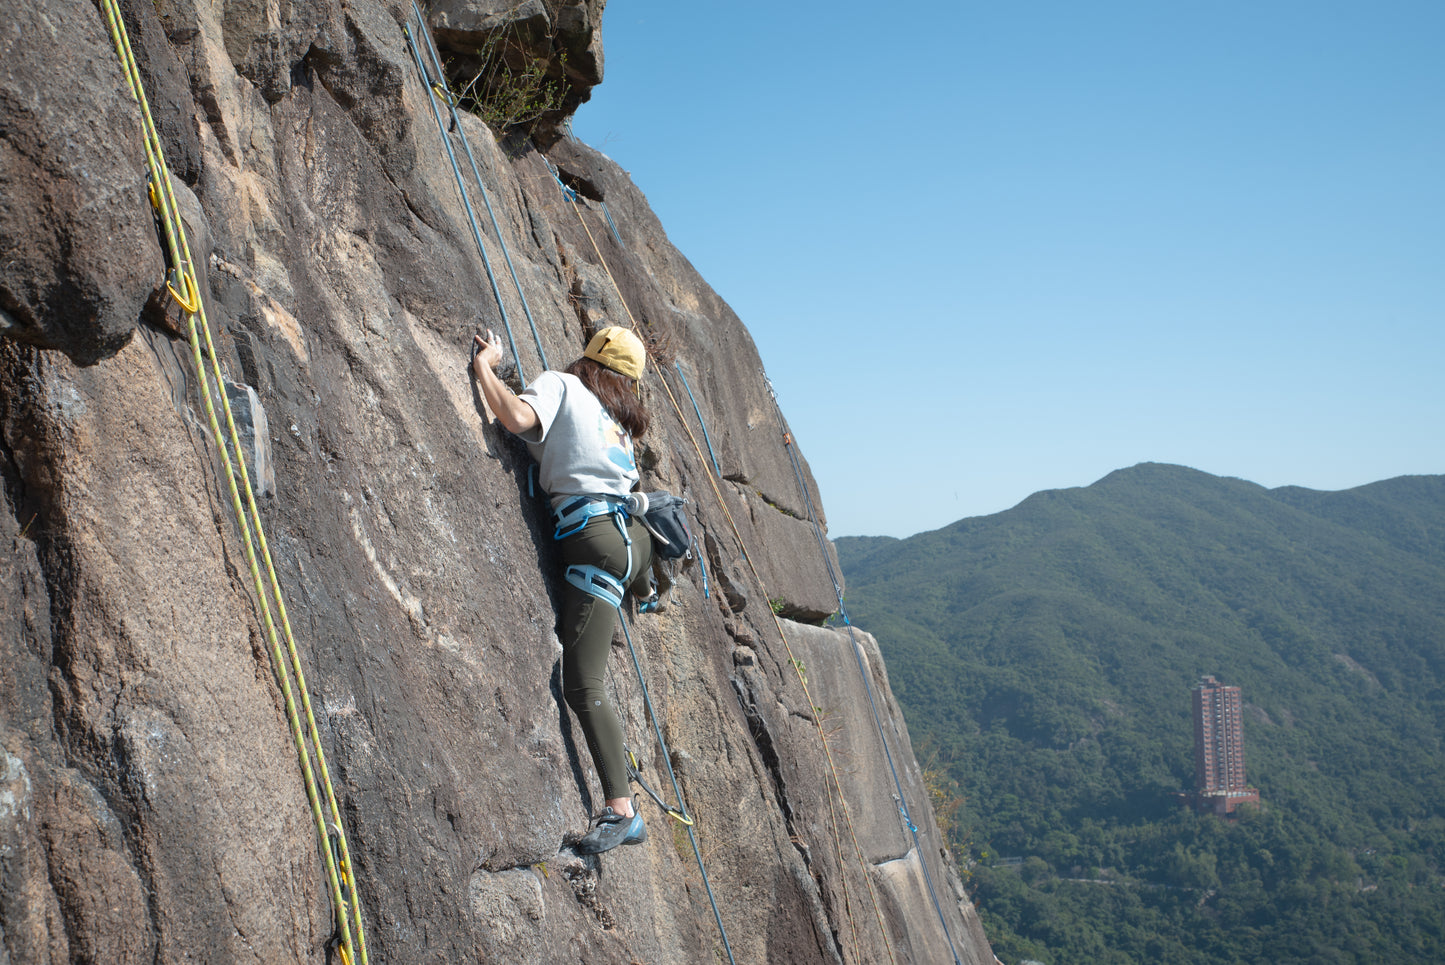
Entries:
{"x":903,"y":811}
{"x":348,"y":938}
{"x":609,"y":589}
{"x":596,"y":581}
{"x":572,"y":515}
{"x":661,"y":514}
{"x":435,"y":84}
{"x":577,"y":513}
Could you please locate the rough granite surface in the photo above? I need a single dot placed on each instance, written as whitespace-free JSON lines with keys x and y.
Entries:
{"x":151,"y":804}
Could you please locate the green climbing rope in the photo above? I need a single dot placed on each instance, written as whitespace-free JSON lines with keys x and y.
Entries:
{"x":181,"y":282}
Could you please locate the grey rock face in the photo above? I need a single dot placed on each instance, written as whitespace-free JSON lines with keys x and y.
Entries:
{"x":513,"y":47}
{"x":80,"y":257}
{"x":254,"y":432}
{"x":151,"y":804}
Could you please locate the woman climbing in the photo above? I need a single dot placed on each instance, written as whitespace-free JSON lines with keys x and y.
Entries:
{"x":580,"y":425}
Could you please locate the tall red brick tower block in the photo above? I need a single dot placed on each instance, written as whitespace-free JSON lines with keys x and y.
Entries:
{"x":1219,"y":783}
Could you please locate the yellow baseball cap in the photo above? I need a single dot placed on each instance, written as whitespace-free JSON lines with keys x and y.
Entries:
{"x":619,"y":349}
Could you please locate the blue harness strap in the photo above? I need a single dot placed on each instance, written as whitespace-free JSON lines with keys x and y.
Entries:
{"x":572,"y":515}
{"x":576,"y":513}
{"x":596,"y":581}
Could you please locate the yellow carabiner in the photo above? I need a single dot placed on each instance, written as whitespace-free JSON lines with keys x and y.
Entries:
{"x":192,"y":305}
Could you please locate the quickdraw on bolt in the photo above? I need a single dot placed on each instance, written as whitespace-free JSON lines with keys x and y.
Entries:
{"x":635,"y":775}
{"x":192,"y":305}
{"x":334,"y":943}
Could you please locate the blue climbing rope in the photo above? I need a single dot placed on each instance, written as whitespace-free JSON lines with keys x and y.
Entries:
{"x":597,"y":582}
{"x":431,"y":86}
{"x":858,"y":655}
{"x":466,"y":200}
{"x":569,"y":193}
{"x":705,"y":438}
{"x":676,"y":790}
{"x":476,"y":173}
{"x":612,"y":224}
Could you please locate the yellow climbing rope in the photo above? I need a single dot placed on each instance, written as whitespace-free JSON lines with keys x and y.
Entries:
{"x":837,"y":786}
{"x":182,"y":284}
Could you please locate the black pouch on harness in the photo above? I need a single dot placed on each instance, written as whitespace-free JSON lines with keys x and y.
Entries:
{"x":666,"y":519}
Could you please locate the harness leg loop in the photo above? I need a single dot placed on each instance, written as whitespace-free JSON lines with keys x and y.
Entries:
{"x":596,"y":581}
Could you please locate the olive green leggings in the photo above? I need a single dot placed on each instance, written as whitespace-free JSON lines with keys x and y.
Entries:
{"x":586,"y":633}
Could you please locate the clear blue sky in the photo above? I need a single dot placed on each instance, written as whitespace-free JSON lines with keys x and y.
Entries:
{"x":991,"y":249}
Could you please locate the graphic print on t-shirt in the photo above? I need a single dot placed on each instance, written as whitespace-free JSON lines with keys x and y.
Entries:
{"x":616,"y":442}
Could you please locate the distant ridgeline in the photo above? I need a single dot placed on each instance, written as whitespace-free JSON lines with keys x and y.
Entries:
{"x":1045,"y":657}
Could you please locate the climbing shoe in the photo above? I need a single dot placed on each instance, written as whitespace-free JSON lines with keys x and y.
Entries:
{"x":611,"y":830}
{"x":649,"y":601}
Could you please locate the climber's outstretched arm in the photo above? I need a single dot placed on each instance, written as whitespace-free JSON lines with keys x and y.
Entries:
{"x":515,"y":415}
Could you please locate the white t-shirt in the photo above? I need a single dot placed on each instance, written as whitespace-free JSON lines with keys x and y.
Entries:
{"x":578,"y":446}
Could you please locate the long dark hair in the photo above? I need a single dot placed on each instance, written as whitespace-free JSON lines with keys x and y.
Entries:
{"x":614,"y":391}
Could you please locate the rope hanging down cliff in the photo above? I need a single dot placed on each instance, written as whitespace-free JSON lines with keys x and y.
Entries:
{"x":695,"y":408}
{"x":611,"y":591}
{"x":349,"y":937}
{"x":843,"y":612}
{"x":858,"y":655}
{"x":835,"y":788}
{"x":435,"y":84}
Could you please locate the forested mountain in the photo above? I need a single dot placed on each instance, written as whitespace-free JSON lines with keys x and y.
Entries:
{"x":1044,"y":656}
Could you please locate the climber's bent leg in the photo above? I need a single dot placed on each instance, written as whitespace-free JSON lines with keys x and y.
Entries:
{"x":586,"y":633}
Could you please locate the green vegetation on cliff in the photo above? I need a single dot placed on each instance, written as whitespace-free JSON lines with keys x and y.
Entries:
{"x":1044,"y":658}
